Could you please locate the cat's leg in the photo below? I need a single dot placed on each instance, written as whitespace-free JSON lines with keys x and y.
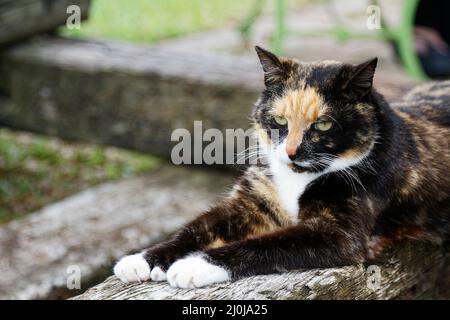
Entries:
{"x":233,"y":220}
{"x":305,"y":246}
{"x":250,"y":211}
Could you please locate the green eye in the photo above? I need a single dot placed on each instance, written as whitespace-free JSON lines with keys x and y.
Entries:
{"x":323,"y":125}
{"x":280,"y":120}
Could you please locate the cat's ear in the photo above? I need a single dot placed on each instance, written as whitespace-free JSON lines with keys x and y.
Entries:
{"x":274,"y":70}
{"x":359,"y":79}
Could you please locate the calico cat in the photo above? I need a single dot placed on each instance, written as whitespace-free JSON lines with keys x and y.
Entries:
{"x":347,"y":176}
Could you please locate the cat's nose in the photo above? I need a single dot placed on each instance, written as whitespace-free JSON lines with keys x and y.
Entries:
{"x":293,"y":141}
{"x":291,"y":151}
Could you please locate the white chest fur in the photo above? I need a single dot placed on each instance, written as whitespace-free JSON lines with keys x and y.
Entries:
{"x":290,"y":186}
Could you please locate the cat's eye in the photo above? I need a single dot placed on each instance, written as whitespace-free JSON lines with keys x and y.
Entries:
{"x":280,"y":120}
{"x":323,"y":125}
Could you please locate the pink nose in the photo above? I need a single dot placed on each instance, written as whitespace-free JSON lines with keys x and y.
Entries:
{"x":291,"y":150}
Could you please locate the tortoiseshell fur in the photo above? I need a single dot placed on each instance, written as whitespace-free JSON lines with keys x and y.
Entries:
{"x":399,"y":190}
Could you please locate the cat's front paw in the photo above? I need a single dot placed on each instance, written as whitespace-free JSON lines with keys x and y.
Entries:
{"x":195,"y":271}
{"x":132,"y":268}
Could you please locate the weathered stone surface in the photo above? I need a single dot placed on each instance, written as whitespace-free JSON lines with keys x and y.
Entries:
{"x":125,"y":95}
{"x":95,"y":227}
{"x":24,"y":18}
{"x":408,"y":272}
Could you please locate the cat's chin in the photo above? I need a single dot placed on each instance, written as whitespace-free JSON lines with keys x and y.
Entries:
{"x":297,"y":168}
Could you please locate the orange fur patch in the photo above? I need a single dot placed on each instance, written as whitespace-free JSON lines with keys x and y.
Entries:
{"x":301,"y":108}
{"x":350,"y":153}
{"x":216,"y":243}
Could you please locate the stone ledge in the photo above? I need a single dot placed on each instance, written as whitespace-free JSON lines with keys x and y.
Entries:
{"x":94,"y":228}
{"x":128,"y":95}
{"x":20,"y":19}
{"x":408,"y":272}
{"x":120,"y":94}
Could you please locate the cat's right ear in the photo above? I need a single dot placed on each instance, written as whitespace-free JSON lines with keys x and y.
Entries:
{"x":274,"y":70}
{"x":358,"y":80}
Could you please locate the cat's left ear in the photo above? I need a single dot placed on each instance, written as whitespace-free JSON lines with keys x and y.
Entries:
{"x":274,"y":69}
{"x":359,"y":79}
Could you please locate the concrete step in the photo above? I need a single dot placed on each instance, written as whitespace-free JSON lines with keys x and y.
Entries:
{"x":20,"y":19}
{"x":121,"y":94}
{"x":129,"y":95}
{"x":92,"y":229}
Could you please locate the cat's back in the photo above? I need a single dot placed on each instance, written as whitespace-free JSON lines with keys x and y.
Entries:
{"x":428,"y":102}
{"x":425,"y":133}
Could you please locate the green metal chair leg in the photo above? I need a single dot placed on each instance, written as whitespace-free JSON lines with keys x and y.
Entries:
{"x":280,"y":27}
{"x":405,"y":41}
{"x":403,"y":36}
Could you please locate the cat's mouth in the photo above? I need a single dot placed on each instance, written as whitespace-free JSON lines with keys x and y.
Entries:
{"x":298,"y":167}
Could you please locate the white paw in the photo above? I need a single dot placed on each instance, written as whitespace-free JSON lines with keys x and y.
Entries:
{"x":132,"y":268}
{"x":194,"y":272}
{"x":157,"y":274}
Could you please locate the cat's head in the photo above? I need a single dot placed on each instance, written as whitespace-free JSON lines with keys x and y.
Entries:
{"x":315,"y":116}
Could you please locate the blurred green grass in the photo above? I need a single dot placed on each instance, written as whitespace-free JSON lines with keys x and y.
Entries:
{"x":152,"y":20}
{"x":37,"y":170}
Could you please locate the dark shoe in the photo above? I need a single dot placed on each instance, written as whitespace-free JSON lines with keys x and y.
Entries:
{"x":436,"y":64}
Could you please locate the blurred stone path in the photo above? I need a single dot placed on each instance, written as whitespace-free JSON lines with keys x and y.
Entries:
{"x":90,"y":230}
